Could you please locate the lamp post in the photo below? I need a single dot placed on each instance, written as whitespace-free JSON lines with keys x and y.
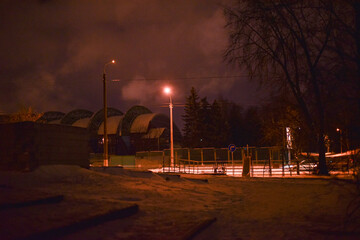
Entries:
{"x":339,"y":130}
{"x":106,"y":148}
{"x":167,"y":90}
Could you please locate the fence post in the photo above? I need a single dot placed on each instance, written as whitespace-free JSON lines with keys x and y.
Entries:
{"x":270,"y":159}
{"x":283,"y":167}
{"x":163,"y":159}
{"x":252,"y":167}
{"x":188,"y":159}
{"x":256,"y":156}
{"x":202,"y":156}
{"x":216,"y":165}
{"x":232,"y":158}
{"x":176,"y":157}
{"x":215,"y":155}
{"x":228,"y":156}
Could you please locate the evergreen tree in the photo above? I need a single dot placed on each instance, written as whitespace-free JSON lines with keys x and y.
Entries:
{"x":219,"y":124}
{"x":191,"y":120}
{"x":205,"y":123}
{"x":252,"y":127}
{"x":236,"y":124}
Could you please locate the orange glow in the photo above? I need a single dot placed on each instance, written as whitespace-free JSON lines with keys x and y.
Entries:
{"x":113,"y":61}
{"x":167,"y":90}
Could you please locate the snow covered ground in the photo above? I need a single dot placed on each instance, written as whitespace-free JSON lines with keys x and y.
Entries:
{"x":171,"y":206}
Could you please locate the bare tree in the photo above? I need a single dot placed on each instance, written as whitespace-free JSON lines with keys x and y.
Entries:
{"x":25,"y":114}
{"x":284,"y":42}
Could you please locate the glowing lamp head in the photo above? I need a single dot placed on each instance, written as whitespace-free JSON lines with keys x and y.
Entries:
{"x":113,"y":61}
{"x":167,"y":90}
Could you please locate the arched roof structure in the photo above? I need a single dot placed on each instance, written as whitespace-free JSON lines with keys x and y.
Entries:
{"x":137,"y":126}
{"x":113,"y":125}
{"x":130,"y":116}
{"x":83,"y":122}
{"x":51,"y":116}
{"x":154,"y":133}
{"x":75,"y":115}
{"x":98,"y":118}
{"x":142,"y":122}
{"x":154,"y":125}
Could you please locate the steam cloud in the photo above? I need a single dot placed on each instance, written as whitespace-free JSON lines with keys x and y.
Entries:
{"x":54,"y":52}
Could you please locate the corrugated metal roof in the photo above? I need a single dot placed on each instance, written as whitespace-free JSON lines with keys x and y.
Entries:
{"x":84,"y":122}
{"x":98,"y":118}
{"x":112,"y":125}
{"x":154,"y":133}
{"x":51,"y":116}
{"x":75,"y":115}
{"x":141,"y":123}
{"x":130,"y":116}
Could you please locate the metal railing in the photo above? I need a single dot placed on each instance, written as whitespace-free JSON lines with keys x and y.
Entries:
{"x":262,"y":168}
{"x":263,"y":162}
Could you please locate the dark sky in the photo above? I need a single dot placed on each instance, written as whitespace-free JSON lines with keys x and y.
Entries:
{"x":53,"y":53}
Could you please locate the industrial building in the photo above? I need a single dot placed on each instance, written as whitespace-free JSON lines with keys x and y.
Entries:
{"x":138,"y":129}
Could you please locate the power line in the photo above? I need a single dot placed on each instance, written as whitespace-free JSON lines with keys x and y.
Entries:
{"x":180,"y":78}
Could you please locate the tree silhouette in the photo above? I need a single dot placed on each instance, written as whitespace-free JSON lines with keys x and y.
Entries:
{"x":205,"y":123}
{"x":25,"y":114}
{"x":284,"y":42}
{"x":191,"y":120}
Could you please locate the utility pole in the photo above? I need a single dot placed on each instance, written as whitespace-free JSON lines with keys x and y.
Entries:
{"x":106,"y":144}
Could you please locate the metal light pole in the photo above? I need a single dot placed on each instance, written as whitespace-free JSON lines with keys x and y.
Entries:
{"x":167,"y":90}
{"x":339,"y":130}
{"x":106,"y":148}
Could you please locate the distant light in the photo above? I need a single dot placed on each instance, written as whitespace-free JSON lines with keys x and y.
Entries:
{"x":338,"y":129}
{"x":167,"y":90}
{"x":113,"y":61}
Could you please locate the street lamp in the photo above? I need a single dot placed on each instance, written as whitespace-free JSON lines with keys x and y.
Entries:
{"x":106,"y":148}
{"x":167,"y":90}
{"x":339,"y":130}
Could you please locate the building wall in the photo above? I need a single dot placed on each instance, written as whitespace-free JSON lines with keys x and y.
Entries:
{"x":27,"y":145}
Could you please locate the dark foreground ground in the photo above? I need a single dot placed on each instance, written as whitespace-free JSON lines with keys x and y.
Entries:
{"x":67,"y":202}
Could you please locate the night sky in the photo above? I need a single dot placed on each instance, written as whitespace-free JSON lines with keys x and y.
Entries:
{"x":53,"y":53}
